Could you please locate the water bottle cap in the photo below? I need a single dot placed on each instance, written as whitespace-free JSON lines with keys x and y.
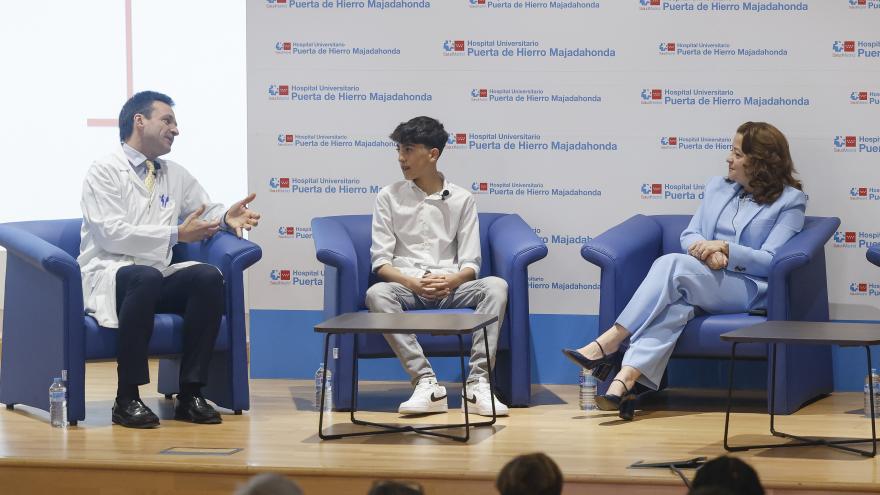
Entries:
{"x":56,"y":380}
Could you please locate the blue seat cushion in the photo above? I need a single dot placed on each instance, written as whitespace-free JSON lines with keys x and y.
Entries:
{"x":374,"y":345}
{"x":167,"y":338}
{"x":701,"y":337}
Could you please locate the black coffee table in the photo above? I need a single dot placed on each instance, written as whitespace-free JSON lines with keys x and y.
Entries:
{"x":457,"y":324}
{"x":803,"y":332}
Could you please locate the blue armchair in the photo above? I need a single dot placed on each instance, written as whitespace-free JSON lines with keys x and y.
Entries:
{"x":45,"y":328}
{"x":508,"y":245}
{"x":797,"y":291}
{"x":873,"y":254}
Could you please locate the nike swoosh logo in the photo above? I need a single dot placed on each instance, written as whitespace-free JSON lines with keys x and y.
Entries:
{"x":434,"y":398}
{"x":472,"y":399}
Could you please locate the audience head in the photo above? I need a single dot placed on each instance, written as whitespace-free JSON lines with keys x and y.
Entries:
{"x":269,"y":484}
{"x":421,"y":130}
{"x":760,"y":159}
{"x":730,"y":473}
{"x":530,"y":474}
{"x":391,"y":487}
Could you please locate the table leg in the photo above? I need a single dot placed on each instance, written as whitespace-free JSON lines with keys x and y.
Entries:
{"x":354,"y":377}
{"x":323,"y":391}
{"x":873,"y":415}
{"x":800,"y":441}
{"x":425,"y":430}
{"x":727,"y":446}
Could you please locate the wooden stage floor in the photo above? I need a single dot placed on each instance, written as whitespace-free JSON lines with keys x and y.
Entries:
{"x":279,"y":434}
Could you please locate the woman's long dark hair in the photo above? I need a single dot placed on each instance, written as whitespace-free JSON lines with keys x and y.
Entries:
{"x":769,"y":165}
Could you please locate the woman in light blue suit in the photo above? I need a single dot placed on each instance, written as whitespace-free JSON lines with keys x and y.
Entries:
{"x":730,"y":242}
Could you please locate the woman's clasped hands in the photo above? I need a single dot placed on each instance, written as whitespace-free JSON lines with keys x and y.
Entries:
{"x":713,"y":253}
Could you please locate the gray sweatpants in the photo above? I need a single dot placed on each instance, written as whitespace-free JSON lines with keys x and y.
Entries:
{"x":487,"y":295}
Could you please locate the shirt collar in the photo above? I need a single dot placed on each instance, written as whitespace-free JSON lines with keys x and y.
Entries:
{"x":437,"y":195}
{"x":136,"y":158}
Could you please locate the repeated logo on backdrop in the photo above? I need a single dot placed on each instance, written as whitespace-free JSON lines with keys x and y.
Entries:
{"x":719,"y":97}
{"x":864,"y":4}
{"x":331,"y":49}
{"x":512,"y":48}
{"x":531,"y":96}
{"x":863,"y":97}
{"x":869,"y":289}
{"x":573,"y":133}
{"x":717,"y":49}
{"x":695,"y":143}
{"x":294,"y":232}
{"x":350,"y":4}
{"x":341,"y":186}
{"x":341,"y":93}
{"x":532,"y":189}
{"x":312,"y":140}
{"x":855,"y":239}
{"x":540,"y":283}
{"x":525,"y":141}
{"x":296,"y":277}
{"x":864,"y":193}
{"x":533,"y":5}
{"x":855,"y":49}
{"x":671,"y":191}
{"x":856,"y":144}
{"x":724,"y":6}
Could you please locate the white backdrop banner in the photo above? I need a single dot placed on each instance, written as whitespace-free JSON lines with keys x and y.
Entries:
{"x":573,"y":114}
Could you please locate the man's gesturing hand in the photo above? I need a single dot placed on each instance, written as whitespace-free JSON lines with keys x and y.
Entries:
{"x":240,"y":217}
{"x":195,"y":229}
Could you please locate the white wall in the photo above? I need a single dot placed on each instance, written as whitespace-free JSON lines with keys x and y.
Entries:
{"x":65,"y":63}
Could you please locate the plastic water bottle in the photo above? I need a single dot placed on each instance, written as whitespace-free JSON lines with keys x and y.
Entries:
{"x":876,"y":377}
{"x":587,"y":385}
{"x":328,"y":397}
{"x":58,"y":404}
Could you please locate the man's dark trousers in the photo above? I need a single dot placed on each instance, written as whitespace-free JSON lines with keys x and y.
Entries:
{"x":195,"y":292}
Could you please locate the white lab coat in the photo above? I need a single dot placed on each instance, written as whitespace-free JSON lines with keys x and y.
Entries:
{"x":123,"y":224}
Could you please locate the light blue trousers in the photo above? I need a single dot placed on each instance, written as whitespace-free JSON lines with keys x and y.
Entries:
{"x":665,"y":301}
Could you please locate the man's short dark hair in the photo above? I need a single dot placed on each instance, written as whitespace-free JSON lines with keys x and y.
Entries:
{"x":421,"y":130}
{"x":530,"y":474}
{"x":140,"y":103}
{"x":731,"y":473}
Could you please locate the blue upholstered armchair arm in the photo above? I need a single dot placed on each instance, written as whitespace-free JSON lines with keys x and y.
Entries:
{"x":873,"y":255}
{"x":232,"y":256}
{"x":514,"y":247}
{"x":797,"y":286}
{"x":42,"y":255}
{"x":224,"y":250}
{"x":334,"y":248}
{"x":625,"y":253}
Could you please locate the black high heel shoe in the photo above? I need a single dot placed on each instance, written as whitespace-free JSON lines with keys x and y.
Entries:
{"x":601,"y":367}
{"x":624,"y":404}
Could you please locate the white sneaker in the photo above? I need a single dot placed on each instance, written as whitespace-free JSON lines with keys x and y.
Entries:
{"x":428,"y":397}
{"x":480,"y":400}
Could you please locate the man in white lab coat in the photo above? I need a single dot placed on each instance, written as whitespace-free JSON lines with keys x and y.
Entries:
{"x":133,"y":204}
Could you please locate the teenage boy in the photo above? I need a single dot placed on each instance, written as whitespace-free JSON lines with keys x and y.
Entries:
{"x":426,"y":251}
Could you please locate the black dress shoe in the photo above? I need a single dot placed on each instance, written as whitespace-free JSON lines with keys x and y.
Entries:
{"x":624,"y":404}
{"x":133,"y":413}
{"x":197,"y":410}
{"x":601,"y":367}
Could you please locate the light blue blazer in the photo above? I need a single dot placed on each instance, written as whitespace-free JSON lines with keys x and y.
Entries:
{"x":760,"y":229}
